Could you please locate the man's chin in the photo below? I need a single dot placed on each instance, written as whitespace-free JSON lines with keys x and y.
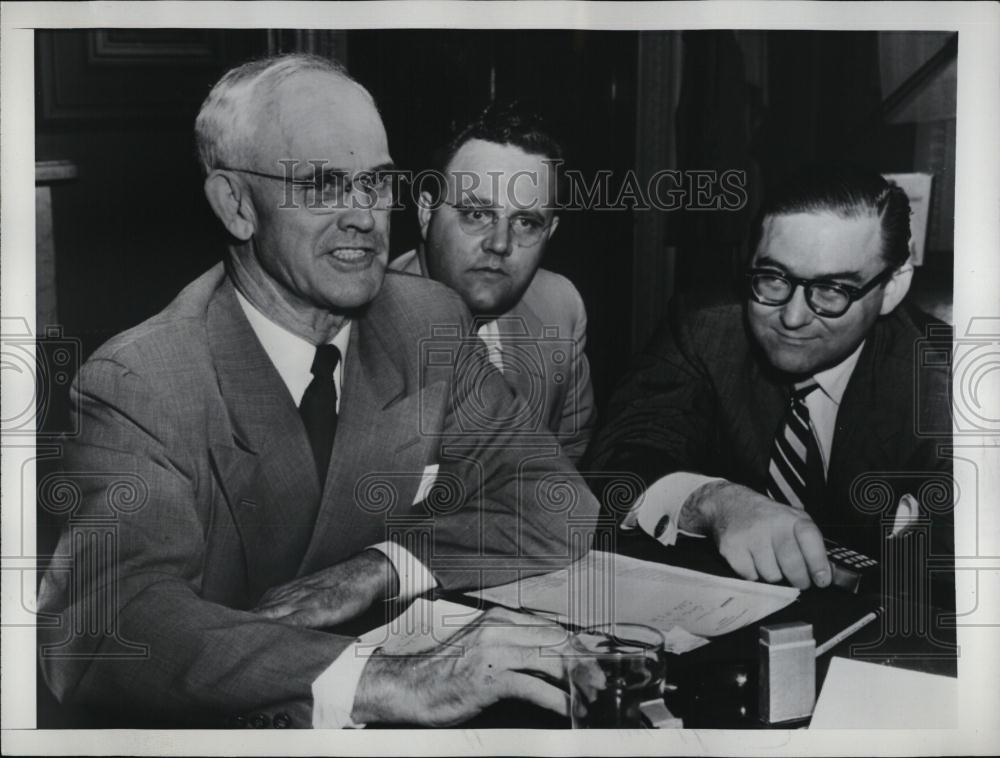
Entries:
{"x":357,"y":296}
{"x":488,"y":305}
{"x":791,"y":362}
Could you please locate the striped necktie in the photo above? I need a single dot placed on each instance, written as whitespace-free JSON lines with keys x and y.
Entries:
{"x":788,"y":475}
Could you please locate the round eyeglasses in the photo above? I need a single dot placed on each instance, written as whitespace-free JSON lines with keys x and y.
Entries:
{"x":825,"y":298}
{"x":332,"y":190}
{"x":525,"y":228}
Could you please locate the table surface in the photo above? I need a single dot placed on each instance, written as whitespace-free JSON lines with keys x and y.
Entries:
{"x":716,"y":685}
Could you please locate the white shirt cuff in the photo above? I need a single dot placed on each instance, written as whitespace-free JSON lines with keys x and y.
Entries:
{"x":333,"y":691}
{"x":414,"y":578}
{"x":658,"y":511}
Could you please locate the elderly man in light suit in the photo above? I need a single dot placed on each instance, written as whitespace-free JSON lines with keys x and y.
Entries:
{"x":485,"y":225}
{"x":260,"y":412}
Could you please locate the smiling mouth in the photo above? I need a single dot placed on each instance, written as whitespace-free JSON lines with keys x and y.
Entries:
{"x":793,"y":338}
{"x":353,"y":255}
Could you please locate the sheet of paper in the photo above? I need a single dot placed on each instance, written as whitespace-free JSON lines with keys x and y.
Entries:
{"x":860,"y":695}
{"x":604,"y":587}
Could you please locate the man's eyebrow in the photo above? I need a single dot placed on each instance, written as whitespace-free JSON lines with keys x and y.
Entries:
{"x":322,"y":170}
{"x":850,"y":276}
{"x":529,"y":213}
{"x":767,"y":262}
{"x":469,"y":197}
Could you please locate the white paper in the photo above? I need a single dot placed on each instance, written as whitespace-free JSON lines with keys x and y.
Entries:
{"x":860,"y":695}
{"x":603,"y":588}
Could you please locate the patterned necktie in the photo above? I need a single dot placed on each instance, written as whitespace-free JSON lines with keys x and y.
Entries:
{"x":319,"y":408}
{"x":794,"y":455}
{"x":491,"y":338}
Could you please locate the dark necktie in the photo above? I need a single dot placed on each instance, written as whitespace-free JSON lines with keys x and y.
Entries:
{"x":795,"y":472}
{"x":319,"y":408}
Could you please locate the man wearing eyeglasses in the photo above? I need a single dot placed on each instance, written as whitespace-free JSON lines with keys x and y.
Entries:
{"x":280,"y":434}
{"x":485,"y":223}
{"x":759,"y":424}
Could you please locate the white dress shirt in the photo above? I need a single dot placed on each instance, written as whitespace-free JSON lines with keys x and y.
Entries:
{"x":658,"y":511}
{"x":334,"y":689}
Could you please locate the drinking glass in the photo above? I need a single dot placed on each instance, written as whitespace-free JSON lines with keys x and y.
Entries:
{"x":612,"y":669}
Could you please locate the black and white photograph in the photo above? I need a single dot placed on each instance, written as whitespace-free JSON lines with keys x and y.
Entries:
{"x":459,"y":376}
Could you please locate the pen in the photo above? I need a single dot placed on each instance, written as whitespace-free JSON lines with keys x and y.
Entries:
{"x":841,"y":636}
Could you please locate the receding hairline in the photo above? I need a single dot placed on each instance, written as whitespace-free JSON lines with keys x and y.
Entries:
{"x":860,"y":212}
{"x":273,"y":113}
{"x":217,"y":136}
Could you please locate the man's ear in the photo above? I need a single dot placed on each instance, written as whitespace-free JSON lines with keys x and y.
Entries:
{"x":231,"y":203}
{"x":896,"y":288}
{"x":424,"y":213}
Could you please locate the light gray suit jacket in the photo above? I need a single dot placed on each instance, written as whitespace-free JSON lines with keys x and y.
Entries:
{"x":543,"y":339}
{"x":193,"y":459}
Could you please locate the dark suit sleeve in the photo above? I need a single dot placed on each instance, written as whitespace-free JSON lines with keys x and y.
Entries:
{"x":136,"y":634}
{"x":661,"y":416}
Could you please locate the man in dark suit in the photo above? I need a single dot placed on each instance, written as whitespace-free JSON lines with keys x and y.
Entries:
{"x":485,"y":228}
{"x":796,"y":414}
{"x":281,"y":427}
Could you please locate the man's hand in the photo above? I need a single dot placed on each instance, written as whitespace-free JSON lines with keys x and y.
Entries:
{"x":333,"y":595}
{"x":761,"y":539}
{"x":501,"y":655}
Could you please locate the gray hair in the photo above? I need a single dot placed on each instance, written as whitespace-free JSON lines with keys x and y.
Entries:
{"x":224,"y":128}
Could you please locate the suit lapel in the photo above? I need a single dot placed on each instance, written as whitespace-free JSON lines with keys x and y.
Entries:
{"x":867,"y":420}
{"x":262,"y":466}
{"x":380,"y":450}
{"x":525,"y":356}
{"x":757,"y":415}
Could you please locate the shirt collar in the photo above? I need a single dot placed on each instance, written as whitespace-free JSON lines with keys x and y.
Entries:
{"x":489,"y":331}
{"x":833,"y":381}
{"x":291,"y":355}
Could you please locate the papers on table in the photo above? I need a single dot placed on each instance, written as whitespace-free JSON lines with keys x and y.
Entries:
{"x":603,"y":587}
{"x":859,"y":695}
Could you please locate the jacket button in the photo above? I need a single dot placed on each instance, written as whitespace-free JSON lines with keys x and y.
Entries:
{"x":281,"y":721}
{"x":260,"y":721}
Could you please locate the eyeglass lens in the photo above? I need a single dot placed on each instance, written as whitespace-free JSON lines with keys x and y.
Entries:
{"x":524,"y":229}
{"x":824,"y":299}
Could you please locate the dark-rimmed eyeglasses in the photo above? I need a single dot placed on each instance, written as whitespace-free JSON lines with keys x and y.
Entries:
{"x":333,"y":190}
{"x":825,"y":298}
{"x":526,"y":230}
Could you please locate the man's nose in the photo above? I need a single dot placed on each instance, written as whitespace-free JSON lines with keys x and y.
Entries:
{"x":498,"y":240}
{"x":357,"y":217}
{"x":796,"y":313}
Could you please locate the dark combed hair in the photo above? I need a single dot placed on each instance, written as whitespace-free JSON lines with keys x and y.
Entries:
{"x":849,"y":191}
{"x":504,"y":123}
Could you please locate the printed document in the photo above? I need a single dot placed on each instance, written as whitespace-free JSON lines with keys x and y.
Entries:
{"x":686,"y":605}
